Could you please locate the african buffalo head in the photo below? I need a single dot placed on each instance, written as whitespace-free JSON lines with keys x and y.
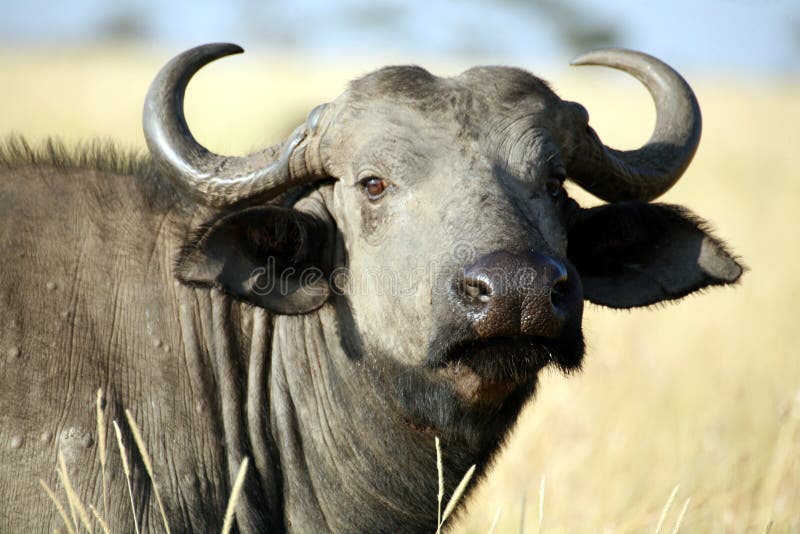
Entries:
{"x":433,"y":210}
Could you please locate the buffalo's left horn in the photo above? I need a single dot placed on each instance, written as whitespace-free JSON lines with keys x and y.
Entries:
{"x":212,"y":179}
{"x":649,"y":171}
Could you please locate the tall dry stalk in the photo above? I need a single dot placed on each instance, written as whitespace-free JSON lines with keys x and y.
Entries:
{"x":148,"y":465}
{"x":440,"y":494}
{"x":101,"y":446}
{"x":74,"y":501}
{"x":230,"y":511}
{"x":665,"y":510}
{"x":462,"y":486}
{"x":681,"y":516}
{"x":100,"y":520}
{"x":541,"y":506}
{"x":126,"y":468}
{"x":495,"y":521}
{"x":60,"y":507}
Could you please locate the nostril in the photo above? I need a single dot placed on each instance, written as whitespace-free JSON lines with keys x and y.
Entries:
{"x":476,"y":289}
{"x":558,"y":293}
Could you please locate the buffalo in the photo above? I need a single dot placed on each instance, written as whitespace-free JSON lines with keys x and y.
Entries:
{"x":399,"y":269}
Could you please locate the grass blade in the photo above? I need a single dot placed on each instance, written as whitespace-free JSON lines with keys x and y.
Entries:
{"x":100,"y":520}
{"x":72,"y":496}
{"x":101,"y":445}
{"x":237,"y":488}
{"x":665,"y":510}
{"x":451,"y":504}
{"x":126,"y":468}
{"x":61,"y":477}
{"x":63,"y":513}
{"x":494,"y":521}
{"x":541,"y":506}
{"x":148,"y":465}
{"x":679,"y":522}
{"x":440,"y":494}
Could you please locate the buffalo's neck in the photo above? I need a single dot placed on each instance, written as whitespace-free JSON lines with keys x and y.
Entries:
{"x":350,"y":458}
{"x":225,"y":346}
{"x":332,"y":442}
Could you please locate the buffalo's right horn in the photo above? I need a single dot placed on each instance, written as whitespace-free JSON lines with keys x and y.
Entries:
{"x":212,"y":179}
{"x":649,"y":171}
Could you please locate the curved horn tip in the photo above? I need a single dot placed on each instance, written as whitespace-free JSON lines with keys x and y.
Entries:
{"x":212,"y":179}
{"x":193,"y":59}
{"x":608,"y":56}
{"x":649,"y":171}
{"x":214,"y":51}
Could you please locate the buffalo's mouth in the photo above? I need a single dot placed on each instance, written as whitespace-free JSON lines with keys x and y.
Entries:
{"x":489,"y":370}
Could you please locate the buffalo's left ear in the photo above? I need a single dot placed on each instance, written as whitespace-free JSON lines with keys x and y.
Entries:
{"x":634,"y":254}
{"x":271,"y":256}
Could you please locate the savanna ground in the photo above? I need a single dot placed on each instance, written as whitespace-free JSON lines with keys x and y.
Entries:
{"x":704,"y":394}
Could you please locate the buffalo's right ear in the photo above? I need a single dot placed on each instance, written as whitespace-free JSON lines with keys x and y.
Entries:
{"x":271,"y":256}
{"x":634,"y":253}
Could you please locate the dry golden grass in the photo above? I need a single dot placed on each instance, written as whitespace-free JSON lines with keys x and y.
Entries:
{"x":77,"y":507}
{"x":704,"y":394}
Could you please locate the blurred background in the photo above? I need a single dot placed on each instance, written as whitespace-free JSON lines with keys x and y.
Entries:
{"x":753,"y":36}
{"x":702,"y":397}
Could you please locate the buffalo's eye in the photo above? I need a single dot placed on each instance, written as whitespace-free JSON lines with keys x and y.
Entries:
{"x":554,"y":185}
{"x":374,"y":187}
